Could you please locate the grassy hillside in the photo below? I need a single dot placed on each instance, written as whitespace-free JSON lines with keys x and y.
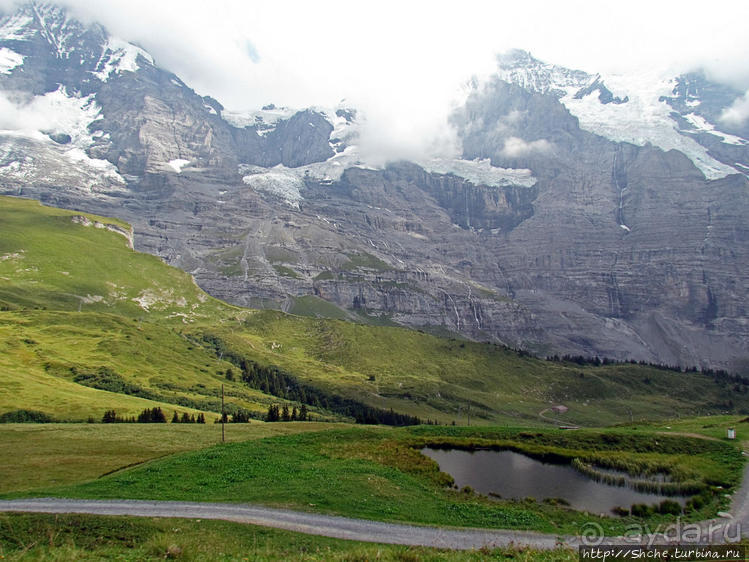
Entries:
{"x":74,"y":365}
{"x":448,"y":379}
{"x":87,"y":324}
{"x":62,"y":260}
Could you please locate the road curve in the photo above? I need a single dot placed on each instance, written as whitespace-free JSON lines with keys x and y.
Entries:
{"x":727,"y":529}
{"x":301,"y":522}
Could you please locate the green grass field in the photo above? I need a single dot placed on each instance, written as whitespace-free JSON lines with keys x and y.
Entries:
{"x":47,"y":455}
{"x":711,"y":427}
{"x":55,"y":454}
{"x":378,"y":472}
{"x":44,"y":353}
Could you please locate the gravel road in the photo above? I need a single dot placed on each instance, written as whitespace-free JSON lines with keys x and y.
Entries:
{"x":311,"y":523}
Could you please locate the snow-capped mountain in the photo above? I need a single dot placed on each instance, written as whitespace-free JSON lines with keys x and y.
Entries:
{"x":66,"y":82}
{"x":669,"y":113}
{"x":587,"y":214}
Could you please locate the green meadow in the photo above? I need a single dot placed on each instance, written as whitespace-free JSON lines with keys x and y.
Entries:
{"x":45,"y":455}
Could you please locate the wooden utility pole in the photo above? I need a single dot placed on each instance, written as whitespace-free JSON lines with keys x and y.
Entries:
{"x":469,"y":414}
{"x":223,"y":416}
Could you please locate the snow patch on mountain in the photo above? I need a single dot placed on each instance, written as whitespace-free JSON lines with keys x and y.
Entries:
{"x":280,"y":181}
{"x":57,"y":113}
{"x":287,"y":183}
{"x":119,"y":56}
{"x":643,"y":119}
{"x":702,"y":125}
{"x":9,"y":60}
{"x":520,"y":68}
{"x":54,"y":113}
{"x":480,"y":172}
{"x":16,"y":27}
{"x":640,"y":114}
{"x":56,"y":28}
{"x":264,"y":120}
{"x":39,"y":162}
{"x":178,"y":164}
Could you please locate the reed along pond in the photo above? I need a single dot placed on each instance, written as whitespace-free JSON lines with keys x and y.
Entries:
{"x":513,"y":475}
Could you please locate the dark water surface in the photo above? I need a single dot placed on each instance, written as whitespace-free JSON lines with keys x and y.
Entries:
{"x":513,"y":475}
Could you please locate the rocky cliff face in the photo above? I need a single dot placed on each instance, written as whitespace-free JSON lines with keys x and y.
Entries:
{"x":569,"y":225}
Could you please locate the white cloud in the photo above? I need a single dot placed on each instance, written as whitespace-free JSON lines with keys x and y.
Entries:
{"x":514,"y":117}
{"x":516,"y":147}
{"x":738,"y":113}
{"x":403,"y":131}
{"x":52,"y":112}
{"x":29,"y":115}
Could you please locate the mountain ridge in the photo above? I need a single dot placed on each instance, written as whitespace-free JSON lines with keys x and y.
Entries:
{"x":545,"y":234}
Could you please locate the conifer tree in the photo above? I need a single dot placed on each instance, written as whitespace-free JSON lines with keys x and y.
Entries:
{"x":273,"y":414}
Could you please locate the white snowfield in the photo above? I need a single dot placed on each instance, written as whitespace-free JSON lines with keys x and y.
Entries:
{"x":480,"y":172}
{"x":119,"y":56}
{"x":178,"y":164}
{"x":60,"y":113}
{"x":643,"y":119}
{"x":266,"y":119}
{"x":702,"y":125}
{"x":9,"y":60}
{"x":282,"y":182}
{"x":16,"y":28}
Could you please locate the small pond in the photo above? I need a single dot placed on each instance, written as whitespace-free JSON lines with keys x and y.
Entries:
{"x":512,"y":475}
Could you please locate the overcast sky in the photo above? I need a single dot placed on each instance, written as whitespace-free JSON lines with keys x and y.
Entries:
{"x":406,"y":59}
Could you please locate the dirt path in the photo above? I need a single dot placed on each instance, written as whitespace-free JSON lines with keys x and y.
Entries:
{"x":310,"y":523}
{"x":562,"y":423}
{"x":687,"y":434}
